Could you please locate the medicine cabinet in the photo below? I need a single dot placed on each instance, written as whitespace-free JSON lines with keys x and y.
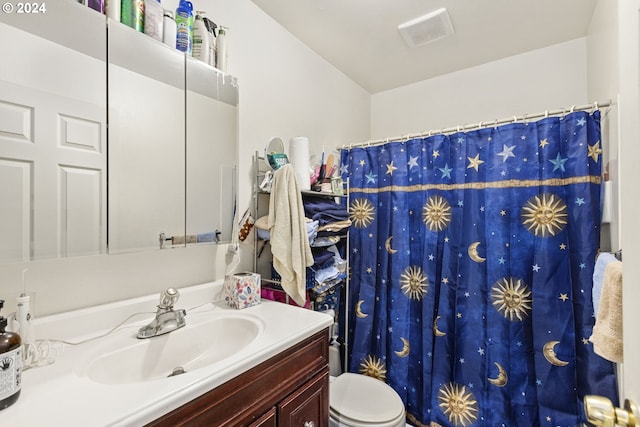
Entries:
{"x":108,"y":138}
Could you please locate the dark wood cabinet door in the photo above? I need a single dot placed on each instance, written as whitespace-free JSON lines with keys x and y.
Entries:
{"x":308,"y":406}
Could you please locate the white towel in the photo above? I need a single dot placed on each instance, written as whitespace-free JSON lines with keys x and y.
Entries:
{"x":598,"y":275}
{"x":289,"y":241}
{"x":607,"y":331}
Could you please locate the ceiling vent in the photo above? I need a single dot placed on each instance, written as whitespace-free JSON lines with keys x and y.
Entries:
{"x":425,"y":29}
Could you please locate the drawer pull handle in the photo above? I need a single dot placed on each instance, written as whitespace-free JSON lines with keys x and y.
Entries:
{"x":309,"y":424}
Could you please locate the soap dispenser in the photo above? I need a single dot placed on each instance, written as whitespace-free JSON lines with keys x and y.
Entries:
{"x":10,"y":364}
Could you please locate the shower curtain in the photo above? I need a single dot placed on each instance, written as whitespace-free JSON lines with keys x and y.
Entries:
{"x":471,"y":259}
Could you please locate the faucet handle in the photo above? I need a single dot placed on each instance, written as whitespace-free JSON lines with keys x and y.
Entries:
{"x":168,"y":298}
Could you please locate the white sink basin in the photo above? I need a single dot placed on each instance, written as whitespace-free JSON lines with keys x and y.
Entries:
{"x":126,"y":359}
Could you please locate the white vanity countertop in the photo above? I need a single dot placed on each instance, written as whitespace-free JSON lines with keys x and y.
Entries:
{"x":61,"y":394}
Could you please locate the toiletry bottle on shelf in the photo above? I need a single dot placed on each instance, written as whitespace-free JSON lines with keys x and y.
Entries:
{"x":153,"y":19}
{"x":221,"y":44}
{"x":112,"y":9}
{"x":137,"y":17}
{"x":169,"y":29}
{"x":200,"y":38}
{"x":184,"y":24}
{"x":126,"y":12}
{"x":211,"y":29}
{"x":10,"y":364}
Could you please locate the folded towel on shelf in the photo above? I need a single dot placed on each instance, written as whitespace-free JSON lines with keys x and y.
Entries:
{"x":289,"y":243}
{"x":607,"y":331}
{"x":598,"y":274}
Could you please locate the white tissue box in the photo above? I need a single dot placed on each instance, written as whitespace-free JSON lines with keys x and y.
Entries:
{"x":241,"y":290}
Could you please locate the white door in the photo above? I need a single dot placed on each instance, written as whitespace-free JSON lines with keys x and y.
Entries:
{"x":53,"y":168}
{"x":629,"y":111}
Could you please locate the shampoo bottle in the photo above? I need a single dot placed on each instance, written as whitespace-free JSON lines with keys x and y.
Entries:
{"x":184,"y":24}
{"x":10,"y":364}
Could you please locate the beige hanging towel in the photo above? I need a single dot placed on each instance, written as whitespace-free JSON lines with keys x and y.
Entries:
{"x":607,"y":331}
{"x":289,"y":242}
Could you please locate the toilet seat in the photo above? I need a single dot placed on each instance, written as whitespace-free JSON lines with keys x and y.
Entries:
{"x":361,"y":401}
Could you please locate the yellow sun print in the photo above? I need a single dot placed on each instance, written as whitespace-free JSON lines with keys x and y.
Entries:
{"x":544,"y":215}
{"x":512,"y":298}
{"x":436,"y":214}
{"x":458,"y":404}
{"x":373,"y":367}
{"x":414,"y":282}
{"x":362,"y":213}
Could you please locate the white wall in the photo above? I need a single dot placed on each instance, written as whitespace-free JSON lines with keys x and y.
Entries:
{"x":285,"y":90}
{"x":544,"y":79}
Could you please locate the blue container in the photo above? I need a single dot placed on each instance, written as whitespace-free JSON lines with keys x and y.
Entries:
{"x":184,"y":24}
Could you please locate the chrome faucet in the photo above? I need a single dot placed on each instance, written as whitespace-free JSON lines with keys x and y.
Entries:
{"x":167,"y":319}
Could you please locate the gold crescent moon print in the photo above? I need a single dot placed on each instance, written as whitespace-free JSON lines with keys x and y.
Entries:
{"x":359,"y":312}
{"x":550,"y":354}
{"x":406,"y":348}
{"x":473,"y":253}
{"x":436,"y":331}
{"x":387,"y":246}
{"x":501,"y":379}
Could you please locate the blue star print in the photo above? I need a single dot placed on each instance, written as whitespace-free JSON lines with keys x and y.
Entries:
{"x":558,"y":163}
{"x":446,"y":171}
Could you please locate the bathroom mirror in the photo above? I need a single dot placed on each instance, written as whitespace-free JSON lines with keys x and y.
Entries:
{"x":100,"y":189}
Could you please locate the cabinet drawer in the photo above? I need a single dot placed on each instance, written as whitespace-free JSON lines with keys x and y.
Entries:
{"x":308,"y":406}
{"x":267,"y":420}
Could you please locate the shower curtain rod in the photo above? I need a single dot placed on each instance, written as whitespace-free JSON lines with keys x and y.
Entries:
{"x":481,"y":125}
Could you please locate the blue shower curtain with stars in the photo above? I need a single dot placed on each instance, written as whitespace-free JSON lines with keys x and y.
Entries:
{"x":471,"y":272}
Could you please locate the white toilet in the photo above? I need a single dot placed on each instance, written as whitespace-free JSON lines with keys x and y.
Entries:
{"x":361,"y":401}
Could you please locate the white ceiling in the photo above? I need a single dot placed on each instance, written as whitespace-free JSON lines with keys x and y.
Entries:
{"x":360,"y":37}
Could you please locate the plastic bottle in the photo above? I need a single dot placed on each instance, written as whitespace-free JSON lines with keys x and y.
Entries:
{"x":169,"y":29}
{"x":137,"y":17}
{"x":221,"y":44}
{"x":126,"y":12}
{"x":211,"y":28}
{"x":10,"y":364}
{"x":112,"y":9}
{"x":184,"y":24}
{"x":153,"y":19}
{"x":200,"y":39}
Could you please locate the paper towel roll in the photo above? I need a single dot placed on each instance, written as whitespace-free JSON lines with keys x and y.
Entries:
{"x":299,"y":158}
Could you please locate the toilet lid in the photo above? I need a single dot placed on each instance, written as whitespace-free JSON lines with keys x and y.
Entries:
{"x":364,"y":399}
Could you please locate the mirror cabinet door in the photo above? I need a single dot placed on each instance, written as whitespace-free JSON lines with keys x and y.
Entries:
{"x":146,"y":81}
{"x":211,"y":106}
{"x":53,"y":161}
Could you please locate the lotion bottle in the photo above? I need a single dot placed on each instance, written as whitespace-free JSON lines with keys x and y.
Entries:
{"x":10,"y":364}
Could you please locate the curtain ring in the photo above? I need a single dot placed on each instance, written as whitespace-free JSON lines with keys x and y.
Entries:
{"x":515,"y":119}
{"x":596,"y":105}
{"x":546,"y":114}
{"x":429,"y":134}
{"x":524,"y":119}
{"x":572,"y":108}
{"x":480,"y":125}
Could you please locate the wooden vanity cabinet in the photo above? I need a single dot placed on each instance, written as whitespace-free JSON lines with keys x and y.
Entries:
{"x":290,"y":389}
